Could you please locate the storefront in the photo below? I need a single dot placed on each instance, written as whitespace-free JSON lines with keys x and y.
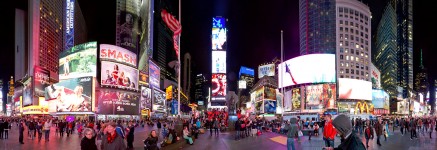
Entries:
{"x":358,"y":108}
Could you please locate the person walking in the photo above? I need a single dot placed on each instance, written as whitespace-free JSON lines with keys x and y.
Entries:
{"x":237,"y":129}
{"x":151,"y":143}
{"x":401,"y":126}
{"x":378,"y":130}
{"x":368,"y":133}
{"x":47,"y":126}
{"x":1,"y":128}
{"x":413,"y":126}
{"x":291,"y":134}
{"x":111,"y":140}
{"x":130,"y":136}
{"x":216,"y":126}
{"x":61,"y":126}
{"x":329,"y":132}
{"x":6,"y":127}
{"x":21,"y":130}
{"x":158,"y":125}
{"x":31,"y":127}
{"x":39,"y":128}
{"x":88,"y":142}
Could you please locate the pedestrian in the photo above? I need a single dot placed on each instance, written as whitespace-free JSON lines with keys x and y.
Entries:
{"x":31,"y":127}
{"x":291,"y":134}
{"x":237,"y":129}
{"x":120,"y":130}
{"x":21,"y":130}
{"x":211,"y":125}
{"x":216,"y":126}
{"x":368,"y":133}
{"x":88,"y":142}
{"x":401,"y":125}
{"x":350,"y":140}
{"x":6,"y":127}
{"x":413,"y":127}
{"x":1,"y":128}
{"x":47,"y":126}
{"x":111,"y":140}
{"x":130,"y":135}
{"x":151,"y":143}
{"x":158,"y":125}
{"x":378,"y":130}
{"x":39,"y":128}
{"x":329,"y":132}
{"x":61,"y":126}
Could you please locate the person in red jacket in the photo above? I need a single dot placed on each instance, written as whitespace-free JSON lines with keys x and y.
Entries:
{"x":329,"y":132}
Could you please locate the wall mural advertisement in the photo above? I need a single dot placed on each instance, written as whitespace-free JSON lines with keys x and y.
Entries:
{"x":127,"y":22}
{"x":380,"y":99}
{"x":266,"y":70}
{"x":296,"y":99}
{"x":118,"y":102}
{"x":321,"y":94}
{"x":270,"y":106}
{"x":78,"y":61}
{"x":42,"y":77}
{"x":154,"y":73}
{"x":158,"y":104}
{"x":218,"y":61}
{"x":218,"y":87}
{"x":313,"y":68}
{"x":117,"y":54}
{"x":218,"y":33}
{"x":71,"y":95}
{"x":121,"y":76}
{"x":146,"y":99}
{"x":288,"y":101}
{"x":269,"y":93}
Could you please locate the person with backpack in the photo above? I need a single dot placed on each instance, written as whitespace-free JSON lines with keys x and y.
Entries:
{"x":237,"y":129}
{"x":368,"y":133}
{"x":120,"y":130}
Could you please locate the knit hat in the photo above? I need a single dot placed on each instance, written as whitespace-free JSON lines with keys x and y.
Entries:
{"x":342,"y":124}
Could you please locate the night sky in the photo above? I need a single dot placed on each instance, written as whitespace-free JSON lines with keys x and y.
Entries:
{"x":254,"y":30}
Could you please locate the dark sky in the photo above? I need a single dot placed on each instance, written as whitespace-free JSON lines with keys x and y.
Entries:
{"x":254,"y":30}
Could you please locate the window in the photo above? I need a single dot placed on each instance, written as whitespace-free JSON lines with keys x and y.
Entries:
{"x":341,"y":70}
{"x":346,"y":36}
{"x":352,"y":30}
{"x":341,"y":22}
{"x":367,"y":42}
{"x":361,"y":27}
{"x":362,"y":73}
{"x":356,"y":25}
{"x":346,"y":23}
{"x":357,"y":59}
{"x":346,"y":29}
{"x":341,"y":64}
{"x":362,"y":66}
{"x":352,"y":37}
{"x":341,"y":76}
{"x":341,"y":56}
{"x":366,"y":29}
{"x":357,"y":78}
{"x":347,"y":64}
{"x":347,"y":70}
{"x":347,"y":57}
{"x":346,"y":10}
{"x":362,"y":41}
{"x":367,"y":74}
{"x":367,"y":68}
{"x":341,"y":50}
{"x":352,"y":57}
{"x":341,"y":36}
{"x":352,"y":71}
{"x":358,"y":53}
{"x":362,"y":54}
{"x":346,"y":43}
{"x":352,"y":77}
{"x":366,"y":36}
{"x":341,"y":29}
{"x":352,"y":65}
{"x":366,"y":55}
{"x":357,"y":65}
{"x":346,"y":50}
{"x":340,"y":9}
{"x":341,"y":43}
{"x":357,"y":72}
{"x":352,"y":51}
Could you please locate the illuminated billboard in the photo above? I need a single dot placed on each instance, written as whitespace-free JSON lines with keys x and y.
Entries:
{"x":144,"y":78}
{"x":154,"y":74}
{"x":218,"y":87}
{"x":78,"y":61}
{"x":41,"y":80}
{"x":259,"y":94}
{"x":270,"y":106}
{"x":312,"y":68}
{"x":28,"y":92}
{"x":146,"y":99}
{"x":127,"y":22}
{"x":375,"y":76}
{"x":117,"y":54}
{"x":69,"y":23}
{"x":118,"y":75}
{"x":287,"y":101}
{"x":218,"y":33}
{"x":71,"y":95}
{"x":158,"y":103}
{"x":380,"y":99}
{"x":320,"y":95}
{"x":266,"y":70}
{"x":269,"y":93}
{"x":242,"y":84}
{"x":354,"y":89}
{"x":246,"y":71}
{"x":218,"y":61}
{"x":111,"y":101}
{"x":295,"y":99}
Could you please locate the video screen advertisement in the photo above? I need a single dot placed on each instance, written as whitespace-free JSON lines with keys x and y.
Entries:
{"x":296,"y":99}
{"x":41,"y":80}
{"x":312,"y":68}
{"x":127,"y":22}
{"x":320,"y":95}
{"x":154,"y":74}
{"x":146,"y":99}
{"x":28,"y":92}
{"x":112,"y":101}
{"x":218,"y":61}
{"x":246,"y":71}
{"x":218,"y":33}
{"x":144,"y":78}
{"x":287,"y":101}
{"x":380,"y":99}
{"x":119,"y":75}
{"x":269,"y":93}
{"x":158,"y":103}
{"x":266,"y":70}
{"x":354,"y":89}
{"x":78,"y":61}
{"x":118,"y":54}
{"x":71,"y":95}
{"x":270,"y":106}
{"x":218,"y":87}
{"x":69,"y":23}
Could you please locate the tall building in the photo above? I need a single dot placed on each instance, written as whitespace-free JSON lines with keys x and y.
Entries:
{"x":394,"y":47}
{"x":186,"y":80}
{"x":201,"y":88}
{"x":317,"y":26}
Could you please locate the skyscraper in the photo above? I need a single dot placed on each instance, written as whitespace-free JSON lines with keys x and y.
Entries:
{"x":201,"y":89}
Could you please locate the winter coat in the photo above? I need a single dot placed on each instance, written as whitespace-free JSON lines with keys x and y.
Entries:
{"x":353,"y":142}
{"x":292,"y":128}
{"x":378,"y":129}
{"x":88,"y":144}
{"x":117,"y":144}
{"x":329,"y":131}
{"x":151,"y":143}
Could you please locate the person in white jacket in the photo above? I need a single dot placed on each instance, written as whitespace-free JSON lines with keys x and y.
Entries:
{"x":47,"y":125}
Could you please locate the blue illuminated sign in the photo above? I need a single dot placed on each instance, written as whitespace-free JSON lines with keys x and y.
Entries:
{"x":218,"y":22}
{"x":69,"y":24}
{"x":246,"y":71}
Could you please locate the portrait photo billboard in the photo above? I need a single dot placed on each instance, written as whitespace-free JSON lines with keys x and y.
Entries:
{"x":71,"y":95}
{"x":119,"y":75}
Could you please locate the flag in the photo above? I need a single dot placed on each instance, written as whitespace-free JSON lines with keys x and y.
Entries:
{"x":289,"y":72}
{"x":174,"y":25}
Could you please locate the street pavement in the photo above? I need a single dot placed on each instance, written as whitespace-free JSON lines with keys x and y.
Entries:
{"x":224,"y":141}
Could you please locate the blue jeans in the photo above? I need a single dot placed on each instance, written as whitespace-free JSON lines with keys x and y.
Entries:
{"x":237,"y":135}
{"x":329,"y":142}
{"x":190,"y":140}
{"x":290,"y":144}
{"x":46,"y":134}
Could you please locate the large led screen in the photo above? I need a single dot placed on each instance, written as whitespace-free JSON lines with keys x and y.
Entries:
{"x":269,"y":93}
{"x":41,"y":80}
{"x":121,"y":76}
{"x":78,"y":61}
{"x":313,"y":68}
{"x":246,"y":71}
{"x":127,"y":22}
{"x":158,"y":103}
{"x":259,"y":94}
{"x":71,"y":95}
{"x":143,"y":79}
{"x":111,"y":101}
{"x":380,"y":99}
{"x":117,"y":54}
{"x":218,"y":61}
{"x":321,"y":94}
{"x":266,"y":70}
{"x":28,"y":92}
{"x":154,"y":73}
{"x":146,"y":98}
{"x":218,"y":87}
{"x":287,"y":101}
{"x":218,"y":33}
{"x":270,"y":106}
{"x":354,"y":89}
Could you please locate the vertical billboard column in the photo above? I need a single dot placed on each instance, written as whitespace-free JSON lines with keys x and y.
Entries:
{"x":127,"y":22}
{"x":69,"y":23}
{"x":218,"y":62}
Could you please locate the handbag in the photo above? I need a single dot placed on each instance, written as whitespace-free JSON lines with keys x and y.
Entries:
{"x":299,"y":133}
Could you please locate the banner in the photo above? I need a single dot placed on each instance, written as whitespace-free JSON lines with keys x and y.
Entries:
{"x":380,"y":99}
{"x":118,"y":54}
{"x":158,"y":103}
{"x":41,"y":80}
{"x":146,"y":99}
{"x":154,"y":75}
{"x":71,"y":95}
{"x":78,"y":61}
{"x":118,"y":102}
{"x":69,"y":23}
{"x":321,"y":94}
{"x":266,"y":70}
{"x":121,"y":76}
{"x":127,"y":21}
{"x":144,"y":78}
{"x":174,"y":107}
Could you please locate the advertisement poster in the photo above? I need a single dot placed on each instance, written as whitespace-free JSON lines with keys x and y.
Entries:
{"x":246,"y":71}
{"x":69,"y":23}
{"x":218,"y":61}
{"x":146,"y":38}
{"x":218,"y":33}
{"x":354,"y":89}
{"x":269,"y":93}
{"x":380,"y":99}
{"x":259,"y":107}
{"x":28,"y":92}
{"x":121,"y":76}
{"x":218,"y":87}
{"x":154,"y":73}
{"x":279,"y":102}
{"x":144,"y":78}
{"x":78,"y":61}
{"x":118,"y":102}
{"x":312,"y":68}
{"x":118,"y":54}
{"x":288,"y":100}
{"x":72,"y":95}
{"x":266,"y":70}
{"x":313,"y":94}
{"x":174,"y":107}
{"x":158,"y":103}
{"x":296,"y":99}
{"x":41,"y":80}
{"x":127,"y":22}
{"x":146,"y":99}
{"x":269,"y":107}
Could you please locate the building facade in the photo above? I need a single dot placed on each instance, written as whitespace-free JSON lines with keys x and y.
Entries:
{"x":201,"y":89}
